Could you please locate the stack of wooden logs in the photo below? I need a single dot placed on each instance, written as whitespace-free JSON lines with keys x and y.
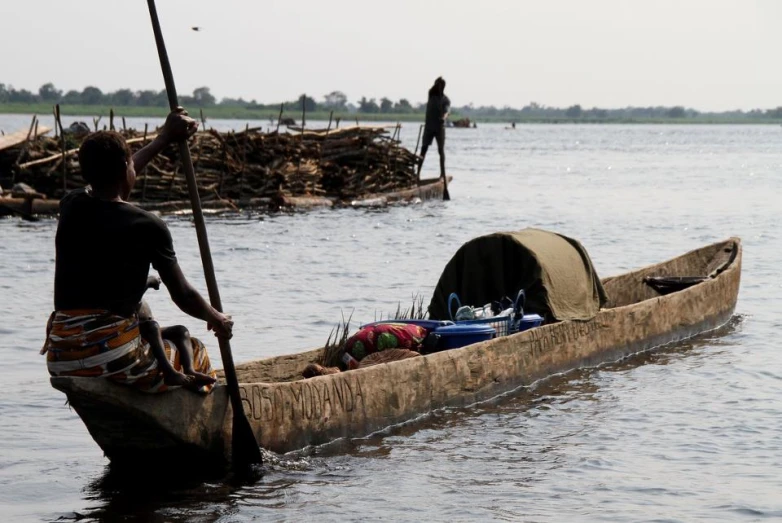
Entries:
{"x":343,"y":163}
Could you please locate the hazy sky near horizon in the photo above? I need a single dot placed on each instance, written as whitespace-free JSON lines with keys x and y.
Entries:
{"x":704,"y":54}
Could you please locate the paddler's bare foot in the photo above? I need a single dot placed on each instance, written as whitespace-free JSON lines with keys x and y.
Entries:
{"x":179,"y":379}
{"x":199,"y":378}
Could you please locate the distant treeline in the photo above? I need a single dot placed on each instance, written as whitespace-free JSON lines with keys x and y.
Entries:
{"x":337,"y":101}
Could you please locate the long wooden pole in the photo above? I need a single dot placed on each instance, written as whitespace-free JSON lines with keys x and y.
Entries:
{"x":418,"y":141}
{"x":446,"y":194}
{"x":245,"y":449}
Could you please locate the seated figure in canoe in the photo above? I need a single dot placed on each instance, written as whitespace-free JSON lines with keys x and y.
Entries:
{"x":105,"y":247}
{"x":185,"y":354}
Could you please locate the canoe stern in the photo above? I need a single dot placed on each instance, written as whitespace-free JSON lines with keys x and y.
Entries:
{"x":128,"y":424}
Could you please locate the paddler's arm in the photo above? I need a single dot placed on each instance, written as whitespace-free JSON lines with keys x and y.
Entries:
{"x":178,"y":127}
{"x":190,"y":301}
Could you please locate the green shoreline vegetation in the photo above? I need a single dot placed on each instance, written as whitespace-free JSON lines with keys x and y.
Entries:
{"x":92,"y":102}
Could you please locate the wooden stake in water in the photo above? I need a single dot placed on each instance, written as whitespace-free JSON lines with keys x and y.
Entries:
{"x":303,"y":112}
{"x":58,"y":123}
{"x":390,"y":148}
{"x":111,"y":119}
{"x":224,"y":164}
{"x":328,"y":129}
{"x":244,"y":159}
{"x":301,"y":134}
{"x":33,"y":125}
{"x":144,"y":170}
{"x":279,"y":118}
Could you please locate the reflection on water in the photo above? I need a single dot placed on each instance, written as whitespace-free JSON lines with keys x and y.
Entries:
{"x":689,"y":432}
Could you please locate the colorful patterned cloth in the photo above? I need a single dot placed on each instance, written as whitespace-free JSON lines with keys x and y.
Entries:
{"x":381,"y":336}
{"x":96,"y":343}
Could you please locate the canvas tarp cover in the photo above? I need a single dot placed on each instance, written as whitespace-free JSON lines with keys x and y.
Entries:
{"x":555,"y":272}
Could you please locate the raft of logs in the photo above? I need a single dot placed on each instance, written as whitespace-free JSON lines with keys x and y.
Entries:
{"x":237,"y":169}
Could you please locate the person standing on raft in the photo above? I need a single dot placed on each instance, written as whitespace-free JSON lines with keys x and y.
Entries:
{"x":104,"y":248}
{"x":437,"y":107}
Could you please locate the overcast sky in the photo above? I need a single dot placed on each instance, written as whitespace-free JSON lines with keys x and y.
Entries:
{"x":704,"y":54}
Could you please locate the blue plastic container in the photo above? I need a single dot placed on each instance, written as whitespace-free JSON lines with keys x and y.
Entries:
{"x":460,"y":335}
{"x":529,"y":321}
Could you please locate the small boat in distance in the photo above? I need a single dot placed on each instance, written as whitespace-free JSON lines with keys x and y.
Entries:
{"x":462,"y":123}
{"x":647,"y":308}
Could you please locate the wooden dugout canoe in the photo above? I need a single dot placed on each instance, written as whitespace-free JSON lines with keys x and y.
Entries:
{"x":290,"y":413}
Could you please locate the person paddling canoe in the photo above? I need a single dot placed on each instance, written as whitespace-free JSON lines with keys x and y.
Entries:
{"x":437,"y":107}
{"x":104,"y":249}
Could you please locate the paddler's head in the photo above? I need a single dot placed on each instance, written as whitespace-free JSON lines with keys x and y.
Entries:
{"x":440,"y":82}
{"x":107,"y":164}
{"x":438,"y":88}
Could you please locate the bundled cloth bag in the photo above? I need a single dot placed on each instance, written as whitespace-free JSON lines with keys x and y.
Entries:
{"x":381,"y":336}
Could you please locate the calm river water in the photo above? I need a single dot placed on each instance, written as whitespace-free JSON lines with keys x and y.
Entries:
{"x":691,"y":433}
